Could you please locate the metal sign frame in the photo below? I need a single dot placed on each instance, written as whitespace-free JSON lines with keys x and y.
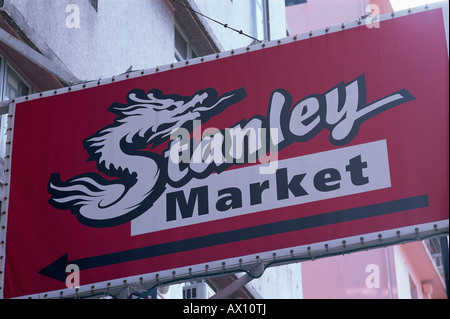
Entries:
{"x":227,"y":265}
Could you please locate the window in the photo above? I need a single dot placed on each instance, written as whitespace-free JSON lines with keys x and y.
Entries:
{"x":183,"y":49}
{"x":14,"y":86}
{"x":434,"y":248}
{"x":11,"y":86}
{"x":94,"y":3}
{"x":288,"y":3}
{"x":259,"y":27}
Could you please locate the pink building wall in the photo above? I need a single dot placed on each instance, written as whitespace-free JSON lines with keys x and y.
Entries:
{"x":344,"y":277}
{"x":403,"y":271}
{"x":320,"y":14}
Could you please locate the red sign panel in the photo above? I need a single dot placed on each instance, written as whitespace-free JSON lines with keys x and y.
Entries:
{"x":308,"y":141}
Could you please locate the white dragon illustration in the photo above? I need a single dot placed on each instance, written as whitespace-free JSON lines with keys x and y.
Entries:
{"x":141,"y":176}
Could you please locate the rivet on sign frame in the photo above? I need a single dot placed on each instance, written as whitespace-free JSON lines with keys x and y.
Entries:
{"x":310,"y":34}
{"x":326,"y":247}
{"x":417,"y":233}
{"x":361,"y":239}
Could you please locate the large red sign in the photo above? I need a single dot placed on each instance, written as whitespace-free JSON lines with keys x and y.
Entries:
{"x":266,"y":151}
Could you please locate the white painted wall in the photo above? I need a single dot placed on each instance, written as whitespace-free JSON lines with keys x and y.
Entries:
{"x":121,"y":34}
{"x":238,"y":14}
{"x":402,"y":275}
{"x":280,"y":282}
{"x":235,"y":13}
{"x":137,"y":33}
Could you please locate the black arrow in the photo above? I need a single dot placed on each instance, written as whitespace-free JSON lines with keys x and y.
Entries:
{"x":57,"y":269}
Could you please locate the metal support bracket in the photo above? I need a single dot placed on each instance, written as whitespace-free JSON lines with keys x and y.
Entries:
{"x":240,"y":282}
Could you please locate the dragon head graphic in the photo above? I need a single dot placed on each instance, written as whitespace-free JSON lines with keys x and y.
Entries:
{"x":138,"y":177}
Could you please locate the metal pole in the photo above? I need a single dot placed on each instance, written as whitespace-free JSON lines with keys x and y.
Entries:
{"x":444,"y":252}
{"x":267,"y":21}
{"x":239,"y":283}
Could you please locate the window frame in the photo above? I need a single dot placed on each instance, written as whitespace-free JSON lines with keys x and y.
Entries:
{"x":5,"y":67}
{"x":256,"y":6}
{"x":191,"y":52}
